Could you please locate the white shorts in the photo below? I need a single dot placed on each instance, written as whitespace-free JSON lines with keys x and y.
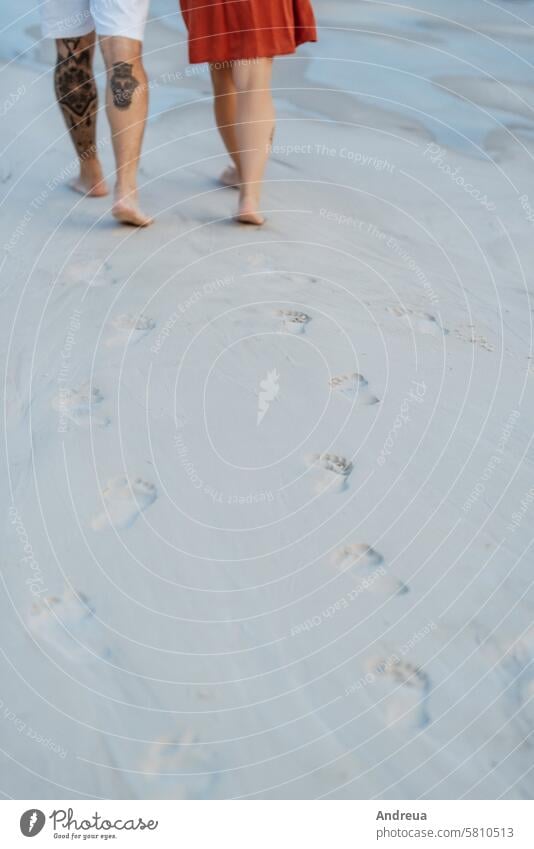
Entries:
{"x":74,"y":18}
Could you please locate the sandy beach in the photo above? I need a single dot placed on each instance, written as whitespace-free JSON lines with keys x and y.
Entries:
{"x":269,"y":493}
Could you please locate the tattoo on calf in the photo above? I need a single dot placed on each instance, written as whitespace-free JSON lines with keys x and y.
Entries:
{"x":76,"y":92}
{"x":123,"y":84}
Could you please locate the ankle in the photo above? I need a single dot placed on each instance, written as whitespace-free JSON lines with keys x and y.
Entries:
{"x":125,"y":190}
{"x":89,"y":163}
{"x":249,"y":195}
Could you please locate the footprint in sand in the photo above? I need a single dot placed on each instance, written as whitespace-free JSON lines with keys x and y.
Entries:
{"x":78,"y":406}
{"x":514,"y":660}
{"x":92,"y":273}
{"x":468,"y":333}
{"x":402,"y":690}
{"x":125,"y":501}
{"x":293,"y":321}
{"x":366,"y":566}
{"x":423,"y":322}
{"x":129,"y":329}
{"x":67,"y":624}
{"x":335,"y":471}
{"x":182,"y":767}
{"x":354,"y":387}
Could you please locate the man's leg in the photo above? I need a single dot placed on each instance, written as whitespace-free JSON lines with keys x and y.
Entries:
{"x":78,"y":99}
{"x":126,"y":105}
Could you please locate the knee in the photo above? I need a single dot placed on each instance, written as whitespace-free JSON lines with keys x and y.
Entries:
{"x":81,"y":52}
{"x":123,"y":60}
{"x":252,"y":75}
{"x":244,"y":82}
{"x":222,"y":82}
{"x":121,"y":51}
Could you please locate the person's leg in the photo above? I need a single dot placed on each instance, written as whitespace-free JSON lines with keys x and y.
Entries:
{"x":254,"y":130}
{"x":225,"y":108}
{"x":78,"y":100}
{"x":126,"y":105}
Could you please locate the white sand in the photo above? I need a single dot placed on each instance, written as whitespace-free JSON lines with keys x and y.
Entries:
{"x":269,"y":494}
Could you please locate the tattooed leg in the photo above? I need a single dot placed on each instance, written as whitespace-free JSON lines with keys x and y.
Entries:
{"x":122,"y":84}
{"x":78,"y":100}
{"x":126,"y":104}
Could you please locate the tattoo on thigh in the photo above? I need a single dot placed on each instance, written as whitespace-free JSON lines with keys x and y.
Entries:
{"x":123,"y":84}
{"x":76,"y":91}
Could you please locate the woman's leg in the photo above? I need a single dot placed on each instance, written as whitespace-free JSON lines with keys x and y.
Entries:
{"x":225,"y":108}
{"x":253,"y":130}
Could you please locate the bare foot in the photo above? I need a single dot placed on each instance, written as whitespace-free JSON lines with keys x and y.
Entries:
{"x":91,"y":181}
{"x":126,"y":210}
{"x":230,"y":177}
{"x":248,"y":211}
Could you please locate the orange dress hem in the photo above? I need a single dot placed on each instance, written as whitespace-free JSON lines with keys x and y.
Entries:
{"x":233,"y":30}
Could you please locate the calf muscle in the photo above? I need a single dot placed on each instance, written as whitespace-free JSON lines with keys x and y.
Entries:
{"x":76,"y":91}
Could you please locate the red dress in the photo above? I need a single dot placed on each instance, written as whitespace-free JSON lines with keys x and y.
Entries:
{"x":225,"y":30}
